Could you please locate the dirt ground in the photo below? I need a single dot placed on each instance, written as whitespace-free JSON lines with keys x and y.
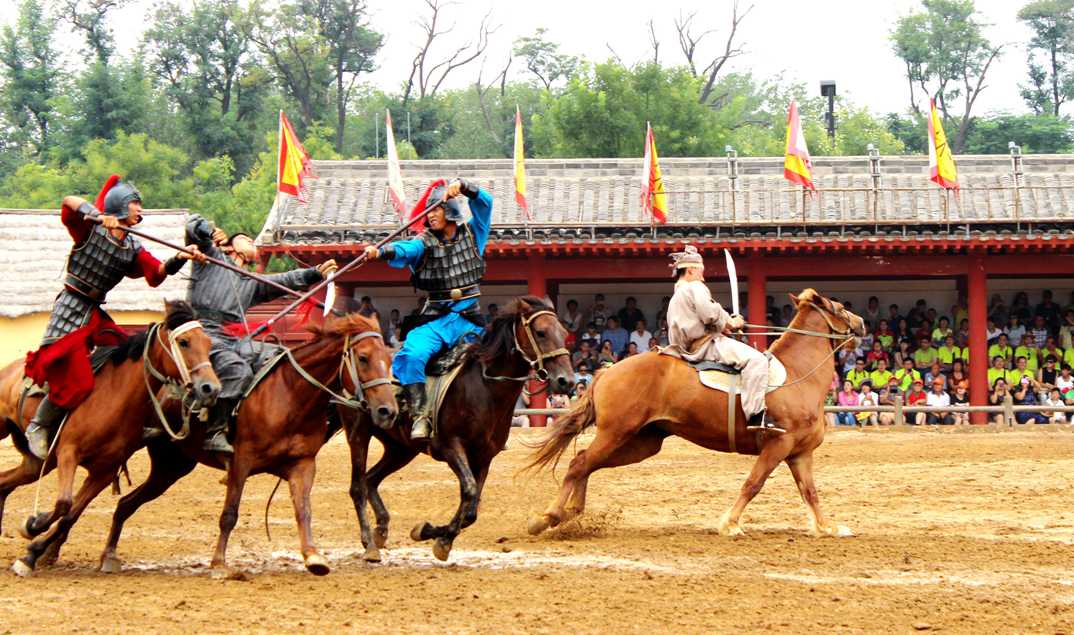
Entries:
{"x":959,"y":531}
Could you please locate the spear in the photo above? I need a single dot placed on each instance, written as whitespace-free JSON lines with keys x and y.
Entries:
{"x":216,"y":261}
{"x":354,"y":264}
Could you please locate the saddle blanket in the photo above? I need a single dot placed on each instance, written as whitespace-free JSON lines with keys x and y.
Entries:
{"x":722,"y":380}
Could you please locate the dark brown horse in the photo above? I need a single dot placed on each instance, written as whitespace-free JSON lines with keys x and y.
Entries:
{"x":473,"y":424}
{"x":642,"y":400}
{"x":103,"y":432}
{"x":280,"y":428}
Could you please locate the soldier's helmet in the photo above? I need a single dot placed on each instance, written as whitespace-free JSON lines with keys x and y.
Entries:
{"x":119,"y":197}
{"x":452,"y":208}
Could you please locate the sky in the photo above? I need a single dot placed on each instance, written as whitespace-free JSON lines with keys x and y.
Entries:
{"x":842,"y":40}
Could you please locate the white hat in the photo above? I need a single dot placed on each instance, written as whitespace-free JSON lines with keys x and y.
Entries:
{"x":685,"y":259}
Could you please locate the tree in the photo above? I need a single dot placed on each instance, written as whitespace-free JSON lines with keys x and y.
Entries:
{"x":1045,"y":134}
{"x":947,"y":57}
{"x":90,"y":17}
{"x":689,"y":41}
{"x":427,"y":74}
{"x":31,"y":75}
{"x":1051,"y":84}
{"x":543,"y":58}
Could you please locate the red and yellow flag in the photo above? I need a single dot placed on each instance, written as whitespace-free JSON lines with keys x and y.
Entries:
{"x":294,"y":165}
{"x":520,"y":166}
{"x":942,"y":169}
{"x":797,"y":166}
{"x":653,"y":197}
{"x":395,"y":174}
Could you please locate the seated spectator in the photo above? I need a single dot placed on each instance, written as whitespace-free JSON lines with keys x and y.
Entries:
{"x":640,"y":337}
{"x":1050,"y":348}
{"x":1055,"y":400}
{"x":960,"y":397}
{"x":998,"y":370}
{"x":1038,"y":335}
{"x":902,"y":353}
{"x":607,"y":353}
{"x":867,"y":398}
{"x":630,"y":315}
{"x":598,"y":313}
{"x":917,"y":315}
{"x":661,"y":335}
{"x":1047,"y":310}
{"x":893,"y":315}
{"x":1048,"y":375}
{"x":866,"y":341}
{"x":654,"y":345}
{"x":917,"y":397}
{"x":580,"y":389}
{"x":1027,"y":351}
{"x":957,"y":374}
{"x":848,"y":359}
{"x":847,"y":397}
{"x":881,"y":376}
{"x":617,"y":335}
{"x":907,"y":375}
{"x":934,"y":374}
{"x":1020,"y":307}
{"x":857,"y":375}
{"x":1001,"y":348}
{"x":581,"y":354}
{"x":942,"y":332}
{"x":997,"y":310}
{"x":948,"y":353}
{"x":886,"y":397}
{"x":631,"y":350}
{"x":876,"y":354}
{"x":1020,"y":371}
{"x":395,"y":340}
{"x":885,"y":336}
{"x":959,"y":312}
{"x":938,"y":398}
{"x":998,"y":397}
{"x":992,"y":333}
{"x":1066,"y":331}
{"x":572,"y":318}
{"x":1065,"y":381}
{"x":1025,"y":395}
{"x":902,"y":331}
{"x":923,"y":332}
{"x":1015,"y":331}
{"x":963,"y":335}
{"x":925,"y":354}
{"x":872,"y":311}
{"x":591,"y":335}
{"x":584,"y":372}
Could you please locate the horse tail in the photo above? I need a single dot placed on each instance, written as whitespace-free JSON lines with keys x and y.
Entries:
{"x":550,"y":449}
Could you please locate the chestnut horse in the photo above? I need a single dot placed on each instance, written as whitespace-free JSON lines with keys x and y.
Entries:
{"x":473,"y":423}
{"x":103,"y":432}
{"x":642,"y":400}
{"x":280,"y":428}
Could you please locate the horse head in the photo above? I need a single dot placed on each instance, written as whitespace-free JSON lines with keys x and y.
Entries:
{"x":839,"y":320}
{"x":365,"y":370}
{"x":181,"y":352}
{"x":539,"y":338}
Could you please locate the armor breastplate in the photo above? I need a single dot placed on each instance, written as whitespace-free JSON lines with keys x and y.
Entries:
{"x":97,"y":265}
{"x":447,"y":266}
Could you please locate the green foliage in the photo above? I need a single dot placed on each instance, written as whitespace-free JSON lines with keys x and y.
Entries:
{"x":543,"y":59}
{"x":1036,"y":134}
{"x":29,"y":67}
{"x":1051,"y":83}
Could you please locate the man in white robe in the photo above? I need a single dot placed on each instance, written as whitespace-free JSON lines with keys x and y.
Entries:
{"x":699,"y":329}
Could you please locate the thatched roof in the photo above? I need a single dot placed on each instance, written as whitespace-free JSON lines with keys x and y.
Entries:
{"x":33,"y":250}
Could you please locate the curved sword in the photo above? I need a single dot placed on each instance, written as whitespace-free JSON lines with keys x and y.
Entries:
{"x":732,"y":277}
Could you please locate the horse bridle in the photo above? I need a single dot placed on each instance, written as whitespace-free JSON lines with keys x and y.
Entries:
{"x":536,"y":363}
{"x":180,"y":390}
{"x":356,"y":401}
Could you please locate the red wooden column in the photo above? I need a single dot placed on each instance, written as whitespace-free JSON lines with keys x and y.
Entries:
{"x":977,"y":283}
{"x":756,"y":291}
{"x":537,"y":284}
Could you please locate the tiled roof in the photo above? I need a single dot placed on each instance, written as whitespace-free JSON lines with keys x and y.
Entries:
{"x":577,"y":197}
{"x":33,"y":251}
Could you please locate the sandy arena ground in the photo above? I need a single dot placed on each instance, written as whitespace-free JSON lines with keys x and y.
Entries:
{"x":955,"y":531}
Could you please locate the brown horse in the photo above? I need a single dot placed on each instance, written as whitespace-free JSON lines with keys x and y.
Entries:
{"x":103,"y":432}
{"x":642,"y":400}
{"x":473,"y":424}
{"x":280,"y":428}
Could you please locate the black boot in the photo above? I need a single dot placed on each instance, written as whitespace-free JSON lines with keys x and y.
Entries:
{"x":760,"y":421}
{"x":421,"y":427}
{"x":216,"y":427}
{"x":39,"y":432}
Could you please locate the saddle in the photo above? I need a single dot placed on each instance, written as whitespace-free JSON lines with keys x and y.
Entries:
{"x":719,"y":376}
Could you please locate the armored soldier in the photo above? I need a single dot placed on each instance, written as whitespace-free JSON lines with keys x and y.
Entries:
{"x":447,"y":263}
{"x":103,"y":254}
{"x":698,"y":330}
{"x":221,"y":297}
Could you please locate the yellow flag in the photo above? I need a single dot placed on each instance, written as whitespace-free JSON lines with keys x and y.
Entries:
{"x":653,"y":197}
{"x":294,"y":162}
{"x":942,"y":169}
{"x":520,"y":166}
{"x":797,"y":166}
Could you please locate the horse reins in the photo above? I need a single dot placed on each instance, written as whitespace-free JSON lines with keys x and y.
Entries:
{"x":181,"y":391}
{"x":356,"y":401}
{"x":843,"y":335}
{"x":537,"y":363}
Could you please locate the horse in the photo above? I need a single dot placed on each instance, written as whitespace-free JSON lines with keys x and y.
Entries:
{"x":473,"y":423}
{"x":281,"y":426}
{"x":102,"y":432}
{"x":642,"y":400}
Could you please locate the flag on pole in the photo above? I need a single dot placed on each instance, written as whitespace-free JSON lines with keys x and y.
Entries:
{"x":294,"y":162}
{"x":941,"y":164}
{"x":520,"y":167}
{"x":797,"y":166}
{"x":653,"y":197}
{"x":395,"y":175}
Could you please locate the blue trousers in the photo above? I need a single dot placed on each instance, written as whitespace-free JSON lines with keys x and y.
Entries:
{"x":427,"y":340}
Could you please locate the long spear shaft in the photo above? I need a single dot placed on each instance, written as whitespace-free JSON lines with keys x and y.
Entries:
{"x":354,"y":264}
{"x":220,"y":263}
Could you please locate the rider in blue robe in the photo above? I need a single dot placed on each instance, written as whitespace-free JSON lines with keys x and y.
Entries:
{"x":447,"y":263}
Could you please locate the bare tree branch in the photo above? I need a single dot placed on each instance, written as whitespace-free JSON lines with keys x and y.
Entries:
{"x":428,"y":75}
{"x":615,"y":55}
{"x":731,"y":50}
{"x":688,"y":41}
{"x":654,"y":42}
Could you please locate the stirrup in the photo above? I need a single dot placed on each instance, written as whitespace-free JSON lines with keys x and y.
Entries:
{"x":218,"y":443}
{"x":765,"y":425}
{"x":420,"y":429}
{"x":38,"y":440}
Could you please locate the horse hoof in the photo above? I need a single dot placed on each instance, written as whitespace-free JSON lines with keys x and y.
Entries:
{"x":537,"y":524}
{"x":372,"y":554}
{"x":842,"y":531}
{"x":111,"y":564}
{"x":442,"y":549}
{"x":727,"y":528}
{"x":380,"y":537}
{"x":416,"y":534}
{"x":22,"y":569}
{"x":317,"y":565}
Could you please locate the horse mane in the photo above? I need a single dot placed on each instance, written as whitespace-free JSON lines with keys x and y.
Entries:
{"x":808,"y":294}
{"x":176,"y":314}
{"x":345,"y":325}
{"x":499,"y":337}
